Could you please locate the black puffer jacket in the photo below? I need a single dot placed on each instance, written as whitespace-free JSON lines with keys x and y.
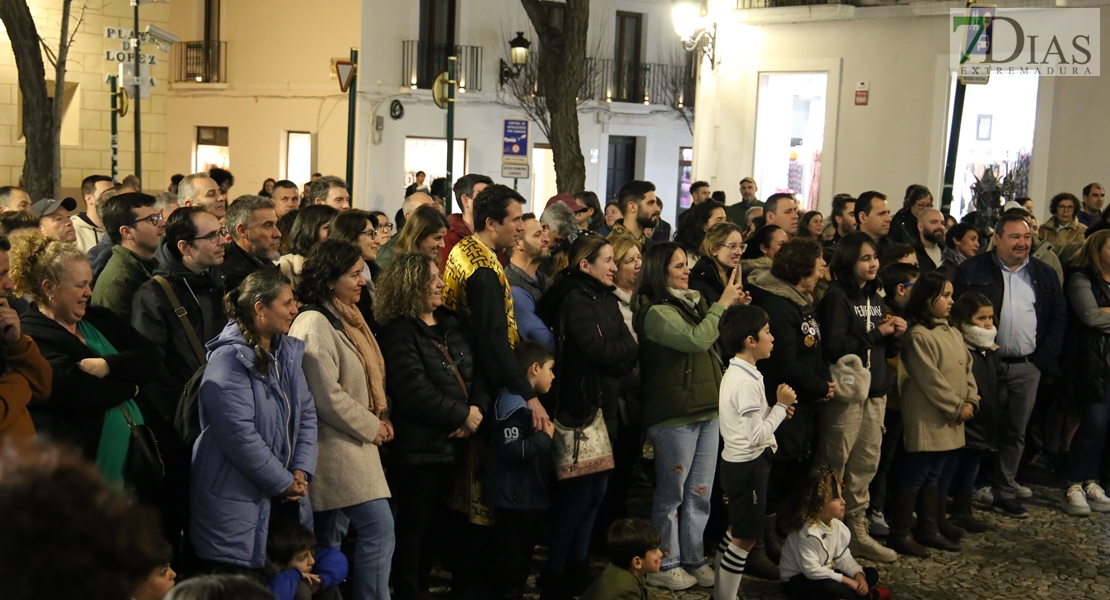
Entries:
{"x":596,"y":347}
{"x":981,"y":432}
{"x":75,"y":409}
{"x":795,"y":361}
{"x":427,"y":402}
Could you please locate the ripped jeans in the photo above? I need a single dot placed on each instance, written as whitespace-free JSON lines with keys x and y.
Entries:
{"x":685,"y":461}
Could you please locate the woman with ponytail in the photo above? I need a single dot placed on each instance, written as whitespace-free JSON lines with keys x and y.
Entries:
{"x":257,"y":449}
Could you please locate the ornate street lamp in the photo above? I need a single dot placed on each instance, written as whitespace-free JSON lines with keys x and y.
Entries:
{"x":518,"y":53}
{"x":696,"y":31}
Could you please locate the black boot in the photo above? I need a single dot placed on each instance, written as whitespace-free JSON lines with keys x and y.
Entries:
{"x":900,"y":539}
{"x":772,"y":543}
{"x":963,"y":517}
{"x":944,"y":526}
{"x":759,"y":565}
{"x":927,"y":532}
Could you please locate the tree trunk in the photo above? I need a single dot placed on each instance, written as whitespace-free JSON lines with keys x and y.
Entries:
{"x":59,"y":99}
{"x":562,"y":71}
{"x":38,"y":164}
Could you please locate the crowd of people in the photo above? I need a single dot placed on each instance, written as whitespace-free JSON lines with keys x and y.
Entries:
{"x":301,"y":399}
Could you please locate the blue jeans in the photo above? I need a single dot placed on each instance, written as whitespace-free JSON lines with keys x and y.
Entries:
{"x":579,"y":498}
{"x":924,"y":469}
{"x":373,"y":523}
{"x":1085,"y":454}
{"x":685,"y":462}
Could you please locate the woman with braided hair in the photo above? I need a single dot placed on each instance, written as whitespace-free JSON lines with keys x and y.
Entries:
{"x":257,"y":449}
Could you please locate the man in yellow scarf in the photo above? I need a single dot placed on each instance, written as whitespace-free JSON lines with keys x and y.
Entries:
{"x":477,"y":289}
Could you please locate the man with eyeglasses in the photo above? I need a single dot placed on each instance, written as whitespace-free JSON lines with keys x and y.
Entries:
{"x":189,"y":258}
{"x":135,"y":227}
{"x":903,"y":227}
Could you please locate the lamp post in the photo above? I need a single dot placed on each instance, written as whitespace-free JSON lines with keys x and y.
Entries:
{"x":518,"y":53}
{"x":697,"y":32}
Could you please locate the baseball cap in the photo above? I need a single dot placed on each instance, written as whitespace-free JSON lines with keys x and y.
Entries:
{"x":567,"y":199}
{"x":47,"y":206}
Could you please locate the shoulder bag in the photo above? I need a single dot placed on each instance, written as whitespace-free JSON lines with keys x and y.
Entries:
{"x":144,"y":467}
{"x":186,"y":419}
{"x":581,"y":449}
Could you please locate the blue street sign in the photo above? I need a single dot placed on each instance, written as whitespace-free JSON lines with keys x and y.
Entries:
{"x":515,"y":142}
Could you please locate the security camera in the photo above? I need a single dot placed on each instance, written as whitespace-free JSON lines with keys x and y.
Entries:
{"x":161,"y":36}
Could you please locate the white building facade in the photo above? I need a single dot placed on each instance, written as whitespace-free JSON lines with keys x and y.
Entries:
{"x":626,"y":133}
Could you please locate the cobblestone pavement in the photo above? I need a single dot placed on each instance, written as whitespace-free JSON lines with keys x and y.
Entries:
{"x":1049,"y":555}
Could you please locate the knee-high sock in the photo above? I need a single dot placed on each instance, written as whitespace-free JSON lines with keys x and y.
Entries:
{"x":732,"y":568}
{"x":722,"y":547}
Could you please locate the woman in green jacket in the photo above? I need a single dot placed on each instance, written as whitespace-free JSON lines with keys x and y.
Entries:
{"x":680,"y":374}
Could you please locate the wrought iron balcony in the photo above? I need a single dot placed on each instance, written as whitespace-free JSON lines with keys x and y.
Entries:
{"x":422,"y":62}
{"x":643,"y":83}
{"x":200,"y":62}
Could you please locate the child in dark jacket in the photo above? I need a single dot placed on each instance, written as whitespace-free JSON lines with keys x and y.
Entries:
{"x":299,"y":572}
{"x":973,"y":315}
{"x":517,"y":470}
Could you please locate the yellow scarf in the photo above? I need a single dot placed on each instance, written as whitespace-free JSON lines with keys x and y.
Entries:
{"x":468,"y":256}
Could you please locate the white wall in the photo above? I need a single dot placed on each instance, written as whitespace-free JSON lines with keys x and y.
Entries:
{"x":899,"y":138}
{"x":380,"y":177}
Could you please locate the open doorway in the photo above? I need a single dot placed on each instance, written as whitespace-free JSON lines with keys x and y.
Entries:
{"x":999,"y":119}
{"x":430,"y":156}
{"x":790,"y":134}
{"x":543,"y":178}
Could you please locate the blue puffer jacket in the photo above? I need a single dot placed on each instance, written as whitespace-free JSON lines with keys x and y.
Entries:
{"x":331,"y":566}
{"x":256,"y":430}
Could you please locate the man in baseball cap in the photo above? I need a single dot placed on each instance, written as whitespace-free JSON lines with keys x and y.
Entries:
{"x":569,"y":200}
{"x":53,"y":216}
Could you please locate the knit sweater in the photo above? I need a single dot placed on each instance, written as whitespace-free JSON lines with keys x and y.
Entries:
{"x":747,"y":423}
{"x":28,"y":378}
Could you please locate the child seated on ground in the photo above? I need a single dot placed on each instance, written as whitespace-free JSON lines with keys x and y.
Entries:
{"x":298,"y":574}
{"x":816,"y":563}
{"x":518,"y":467}
{"x":633,"y":553}
{"x":748,"y":427}
{"x":161,"y":580}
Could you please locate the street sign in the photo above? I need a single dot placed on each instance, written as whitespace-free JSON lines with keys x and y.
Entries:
{"x":977,"y":45}
{"x":513,"y":171}
{"x":127,"y":78}
{"x":515,"y":142}
{"x":344,"y":70}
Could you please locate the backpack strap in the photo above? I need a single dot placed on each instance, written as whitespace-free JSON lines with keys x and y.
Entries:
{"x":182,"y":314}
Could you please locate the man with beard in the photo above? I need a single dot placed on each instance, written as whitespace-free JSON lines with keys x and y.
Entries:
{"x":931,"y":253}
{"x":528,"y":282}
{"x":252,"y":222}
{"x":641,"y":211}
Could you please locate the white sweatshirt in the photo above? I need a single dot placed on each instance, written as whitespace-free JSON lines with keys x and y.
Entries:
{"x":747,"y":424}
{"x":818,"y":551}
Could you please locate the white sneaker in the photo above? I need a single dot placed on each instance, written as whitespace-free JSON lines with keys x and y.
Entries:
{"x":704,"y":576}
{"x":877,"y":524}
{"x":1023,"y":492}
{"x":983,"y":497}
{"x":1075,"y":502}
{"x":1096,"y":497}
{"x":676,"y":579}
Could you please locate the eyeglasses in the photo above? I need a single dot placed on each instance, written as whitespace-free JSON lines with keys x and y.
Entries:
{"x":215,"y":235}
{"x":385,"y":228}
{"x":925,"y":205}
{"x":155,"y":219}
{"x":370,"y":232}
{"x":734,"y":247}
{"x":908,"y":284}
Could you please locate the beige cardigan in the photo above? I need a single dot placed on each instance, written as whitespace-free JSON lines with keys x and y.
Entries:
{"x":349,"y":469}
{"x":291,"y":265}
{"x":935,"y":382}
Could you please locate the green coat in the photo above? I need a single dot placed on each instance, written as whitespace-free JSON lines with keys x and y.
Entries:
{"x":120,"y":279}
{"x":616,"y":583}
{"x":680,"y":371}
